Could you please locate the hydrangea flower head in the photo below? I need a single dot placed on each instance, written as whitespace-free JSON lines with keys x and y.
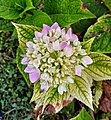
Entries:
{"x":54,"y":57}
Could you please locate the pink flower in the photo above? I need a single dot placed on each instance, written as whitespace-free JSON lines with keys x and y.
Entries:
{"x":34,"y":73}
{"x":45,"y":29}
{"x":86,"y":61}
{"x":25,"y":60}
{"x":68,"y":51}
{"x":56,"y":45}
{"x":78,"y":70}
{"x":69,"y":36}
{"x":34,"y":76}
{"x":38,"y":34}
{"x":54,"y":26}
{"x":75,"y":37}
{"x":29,"y":44}
{"x":62,"y":45}
{"x":44,"y":86}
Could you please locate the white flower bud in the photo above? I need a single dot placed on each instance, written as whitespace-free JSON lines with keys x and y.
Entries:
{"x":57,"y":80}
{"x":76,"y":43}
{"x":70,"y":80}
{"x":50,"y":60}
{"x":45,"y":76}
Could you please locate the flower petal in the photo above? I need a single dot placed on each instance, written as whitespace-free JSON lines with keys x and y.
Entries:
{"x":34,"y":76}
{"x":45,"y":29}
{"x":46,"y":39}
{"x":56,"y":45}
{"x":29,"y":69}
{"x":29,"y":50}
{"x":76,"y":43}
{"x":75,"y":37}
{"x":69,"y":32}
{"x":54,"y":26}
{"x":44,"y":86}
{"x":45,"y":76}
{"x":78,"y":69}
{"x":68,"y":51}
{"x":25,"y":61}
{"x":62,"y":45}
{"x":29,"y":44}
{"x":38,"y":34}
{"x":62,"y":88}
{"x":86,"y":61}
{"x":63,"y":31}
{"x":70,"y":80}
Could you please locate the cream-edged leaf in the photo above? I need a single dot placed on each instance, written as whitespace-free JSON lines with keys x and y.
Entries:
{"x":81,"y":90}
{"x":100,"y":69}
{"x":87,"y":44}
{"x":25,"y":33}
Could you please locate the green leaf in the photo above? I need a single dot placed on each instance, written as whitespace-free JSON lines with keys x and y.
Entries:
{"x":83,"y":115}
{"x":21,"y":67}
{"x":66,"y":12}
{"x":108,"y":3}
{"x":27,"y":6}
{"x":36,"y":92}
{"x":13,"y":9}
{"x":100,"y":69}
{"x":96,"y":7}
{"x":81,"y":90}
{"x":5,"y":25}
{"x":87,"y":44}
{"x":101,"y":30}
{"x":82,"y":25}
{"x":8,"y":9}
{"x":36,"y":2}
{"x":38,"y":19}
{"x":25,"y":33}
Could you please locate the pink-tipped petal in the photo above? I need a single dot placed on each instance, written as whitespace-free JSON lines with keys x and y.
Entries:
{"x":29,"y":44}
{"x":34,"y":76}
{"x":44,"y":86}
{"x":68,"y":50}
{"x":38,"y":34}
{"x":78,"y":70}
{"x":67,"y":37}
{"x":25,"y":61}
{"x":62,"y":45}
{"x":29,"y":50}
{"x":56,"y":45}
{"x":63,"y":31}
{"x":54,"y":26}
{"x":86,"y":60}
{"x":45,"y":29}
{"x":29,"y":69}
{"x":46,"y":39}
{"x":75,"y":37}
{"x":69,"y":32}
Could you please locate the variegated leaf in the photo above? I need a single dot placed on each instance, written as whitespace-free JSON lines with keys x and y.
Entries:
{"x":87,"y":44}
{"x":81,"y":90}
{"x":51,"y":97}
{"x":25,"y":33}
{"x":100,"y":69}
{"x":20,"y":66}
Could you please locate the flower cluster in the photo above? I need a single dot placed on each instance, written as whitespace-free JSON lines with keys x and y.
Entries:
{"x":54,"y":57}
